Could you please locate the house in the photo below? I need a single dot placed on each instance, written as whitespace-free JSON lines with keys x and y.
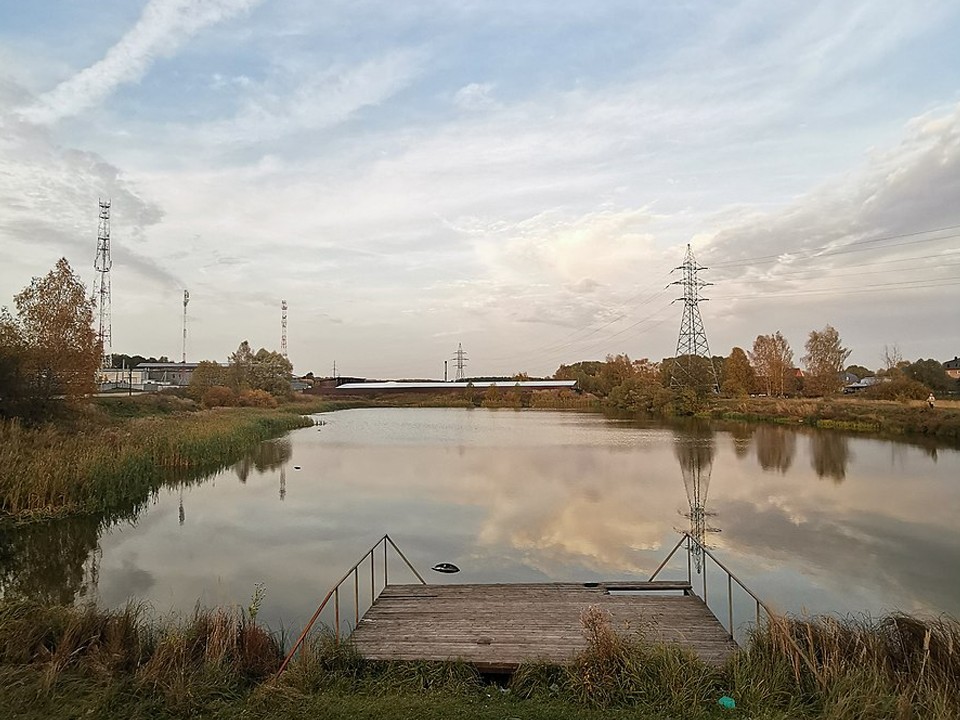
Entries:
{"x":952,"y":368}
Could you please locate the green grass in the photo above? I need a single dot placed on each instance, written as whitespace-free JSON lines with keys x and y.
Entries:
{"x":114,"y":466}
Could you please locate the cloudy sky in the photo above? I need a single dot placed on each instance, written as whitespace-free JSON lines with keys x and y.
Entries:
{"x":517,"y":176}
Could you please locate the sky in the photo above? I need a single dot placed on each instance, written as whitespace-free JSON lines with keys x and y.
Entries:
{"x":518,"y":177}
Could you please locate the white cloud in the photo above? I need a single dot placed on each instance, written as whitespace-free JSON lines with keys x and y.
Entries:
{"x":163,"y":26}
{"x":474,"y":97}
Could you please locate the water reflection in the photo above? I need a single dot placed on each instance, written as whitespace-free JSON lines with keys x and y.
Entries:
{"x":775,"y":446}
{"x":829,"y":455}
{"x":267,"y":456}
{"x":695,"y":448}
{"x":522,"y":496}
{"x":50,"y":562}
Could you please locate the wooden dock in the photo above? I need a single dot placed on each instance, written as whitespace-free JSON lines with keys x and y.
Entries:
{"x":497,"y":627}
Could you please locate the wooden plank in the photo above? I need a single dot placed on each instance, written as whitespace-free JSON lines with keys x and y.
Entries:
{"x":499,"y":626}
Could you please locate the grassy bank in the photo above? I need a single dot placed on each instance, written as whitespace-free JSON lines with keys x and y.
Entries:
{"x":111,"y":459}
{"x":853,"y":414}
{"x":79,"y":662}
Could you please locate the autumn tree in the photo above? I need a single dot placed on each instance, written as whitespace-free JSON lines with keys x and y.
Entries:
{"x":739,"y":378}
{"x":12,"y":388}
{"x":930,"y":373}
{"x":263,"y":370}
{"x":61,"y":351}
{"x":772,"y":359}
{"x":824,"y":361}
{"x":208,"y":374}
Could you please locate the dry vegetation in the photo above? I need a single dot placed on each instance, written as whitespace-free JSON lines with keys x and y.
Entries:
{"x":55,"y":470}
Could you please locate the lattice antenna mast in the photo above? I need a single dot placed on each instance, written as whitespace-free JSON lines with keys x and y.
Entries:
{"x":461,"y":357}
{"x":283,"y":328}
{"x":692,"y":341}
{"x":186,"y":299}
{"x":101,"y":291}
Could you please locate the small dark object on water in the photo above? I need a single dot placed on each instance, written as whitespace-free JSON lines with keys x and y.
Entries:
{"x":296,"y":467}
{"x":445,"y":568}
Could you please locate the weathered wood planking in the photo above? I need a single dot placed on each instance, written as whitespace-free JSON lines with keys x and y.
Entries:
{"x":496,"y":627}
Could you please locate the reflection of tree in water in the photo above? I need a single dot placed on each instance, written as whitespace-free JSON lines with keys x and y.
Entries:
{"x":775,"y":447}
{"x":268,"y":455}
{"x":830,"y":453}
{"x":695,"y":449}
{"x":742,"y":434}
{"x":51,"y":562}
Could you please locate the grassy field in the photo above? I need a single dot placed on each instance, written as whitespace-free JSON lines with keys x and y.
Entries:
{"x":113,"y":455}
{"x":841,"y":413}
{"x":62,"y":662}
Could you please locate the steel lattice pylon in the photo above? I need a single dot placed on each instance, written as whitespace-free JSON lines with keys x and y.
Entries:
{"x":101,"y":291}
{"x":692,"y":341}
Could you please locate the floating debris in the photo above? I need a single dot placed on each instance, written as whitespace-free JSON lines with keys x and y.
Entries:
{"x":445,"y":568}
{"x":296,"y":467}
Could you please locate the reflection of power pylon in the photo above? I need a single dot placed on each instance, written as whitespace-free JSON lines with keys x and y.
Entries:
{"x":283,"y":482}
{"x":696,"y":464}
{"x":182,"y":514}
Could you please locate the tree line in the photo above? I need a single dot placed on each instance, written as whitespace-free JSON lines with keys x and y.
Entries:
{"x":681,"y":384}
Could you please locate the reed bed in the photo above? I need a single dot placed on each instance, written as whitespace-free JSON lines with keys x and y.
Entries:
{"x":48,"y":471}
{"x":220,"y":663}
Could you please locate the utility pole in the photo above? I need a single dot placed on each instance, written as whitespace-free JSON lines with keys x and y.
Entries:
{"x":461,"y":357}
{"x":101,"y":291}
{"x":445,"y":371}
{"x":692,"y":341}
{"x":283,"y":328}
{"x":186,"y":299}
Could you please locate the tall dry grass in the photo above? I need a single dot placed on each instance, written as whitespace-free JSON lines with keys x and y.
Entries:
{"x":219,"y":651}
{"x":49,"y":471}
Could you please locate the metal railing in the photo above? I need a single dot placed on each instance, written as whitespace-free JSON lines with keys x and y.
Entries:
{"x":693,"y":545}
{"x":354,"y":574}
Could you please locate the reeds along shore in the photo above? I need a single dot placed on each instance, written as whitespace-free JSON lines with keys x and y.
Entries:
{"x":49,"y":471}
{"x":76,"y":660}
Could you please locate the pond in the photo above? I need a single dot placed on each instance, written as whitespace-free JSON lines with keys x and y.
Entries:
{"x":812,"y":521}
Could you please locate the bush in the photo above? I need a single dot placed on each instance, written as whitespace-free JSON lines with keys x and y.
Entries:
{"x":219,"y":396}
{"x":256,"y":398}
{"x":900,"y":389}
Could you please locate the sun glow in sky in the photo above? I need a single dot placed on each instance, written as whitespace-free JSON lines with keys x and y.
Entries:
{"x":519,"y":177}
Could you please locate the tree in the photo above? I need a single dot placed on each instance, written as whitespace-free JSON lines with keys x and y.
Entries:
{"x":263,"y":370}
{"x":61,"y":349}
{"x":930,"y":373}
{"x":772,"y":359}
{"x":739,"y":378}
{"x":208,"y":374}
{"x":824,"y":361}
{"x":11,"y":365}
{"x":859,"y":370}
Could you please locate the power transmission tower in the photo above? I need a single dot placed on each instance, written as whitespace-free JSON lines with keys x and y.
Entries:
{"x":283,"y":328}
{"x":186,"y":299}
{"x":692,"y":341}
{"x":461,"y":357}
{"x":101,"y":291}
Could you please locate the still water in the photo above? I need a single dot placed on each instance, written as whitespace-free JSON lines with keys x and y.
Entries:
{"x":812,"y":521}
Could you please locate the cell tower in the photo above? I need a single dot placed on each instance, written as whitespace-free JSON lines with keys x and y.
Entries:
{"x":186,"y":299}
{"x":461,"y":357}
{"x":692,"y":341}
{"x":283,"y":328}
{"x":101,"y":291}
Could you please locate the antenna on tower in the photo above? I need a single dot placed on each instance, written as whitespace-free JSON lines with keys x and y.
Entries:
{"x":101,"y":291}
{"x":461,"y":357}
{"x":186,"y":299}
{"x":692,"y":341}
{"x":283,"y":328}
